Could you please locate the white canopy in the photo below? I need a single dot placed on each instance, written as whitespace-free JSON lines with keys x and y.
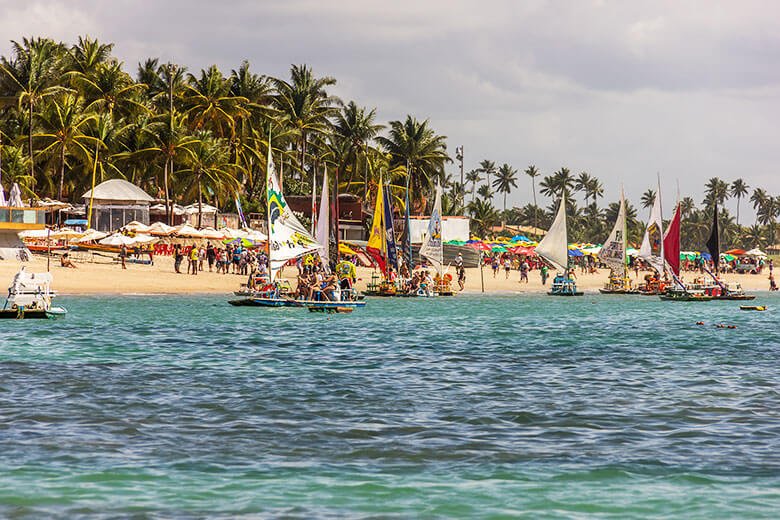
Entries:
{"x":136,"y":227}
{"x":187,"y":231}
{"x":233,"y":233}
{"x":141,"y":238}
{"x":92,"y":235}
{"x":756,"y":252}
{"x":212,"y":233}
{"x":160,"y":229}
{"x":34,"y":233}
{"x":118,"y":190}
{"x":117,"y":239}
{"x":192,"y":209}
{"x":66,"y":233}
{"x":160,"y":209}
{"x":256,"y":236}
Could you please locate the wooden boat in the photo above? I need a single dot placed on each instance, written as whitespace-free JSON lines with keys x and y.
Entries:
{"x":252,"y":301}
{"x":681,"y":296}
{"x":29,"y":297}
{"x":752,"y":307}
{"x":562,"y":286}
{"x":332,"y":310}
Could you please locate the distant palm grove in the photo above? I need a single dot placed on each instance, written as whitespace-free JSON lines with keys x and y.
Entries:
{"x":71,"y":116}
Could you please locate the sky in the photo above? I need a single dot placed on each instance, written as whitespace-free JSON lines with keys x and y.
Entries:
{"x":625,"y":90}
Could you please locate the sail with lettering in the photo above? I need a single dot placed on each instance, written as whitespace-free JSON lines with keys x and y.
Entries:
{"x":613,"y":252}
{"x":652,"y":248}
{"x":433,"y":247}
{"x":554,"y":247}
{"x":287,"y":238}
{"x":376,"y":247}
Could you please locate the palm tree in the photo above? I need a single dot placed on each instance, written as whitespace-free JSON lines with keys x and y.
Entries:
{"x":758,"y":198}
{"x":210,"y":105}
{"x":63,"y":134}
{"x":506,"y":179}
{"x":31,"y":77}
{"x":738,"y":190}
{"x":582,"y":183}
{"x":533,"y":172}
{"x":416,"y":144}
{"x":557,"y":184}
{"x":648,"y":198}
{"x":485,"y":192}
{"x":687,"y":206}
{"x":356,"y":126}
{"x":768,"y":211}
{"x":716,"y":192}
{"x":207,"y":166}
{"x":473,"y":176}
{"x":483,"y":215}
{"x":594,"y":189}
{"x":488,"y":168}
{"x":305,"y":106}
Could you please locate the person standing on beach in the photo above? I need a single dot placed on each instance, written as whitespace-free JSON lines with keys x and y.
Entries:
{"x":462,"y":277}
{"x":544,"y":272}
{"x":123,"y":255}
{"x":507,"y":266}
{"x":494,"y":264}
{"x":177,"y":258}
{"x":193,"y":260}
{"x":211,"y":256}
{"x":524,"y":268}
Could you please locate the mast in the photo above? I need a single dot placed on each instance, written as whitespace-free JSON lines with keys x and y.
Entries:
{"x":268,"y":169}
{"x":661,"y":210}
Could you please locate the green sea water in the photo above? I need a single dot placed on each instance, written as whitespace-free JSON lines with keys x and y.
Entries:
{"x":475,"y":407}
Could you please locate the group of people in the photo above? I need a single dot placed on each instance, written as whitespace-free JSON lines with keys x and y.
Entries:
{"x":319,"y":282}
{"x":233,"y":259}
{"x":510,"y":262}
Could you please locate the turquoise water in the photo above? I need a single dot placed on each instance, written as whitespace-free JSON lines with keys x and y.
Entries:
{"x":608,"y":407}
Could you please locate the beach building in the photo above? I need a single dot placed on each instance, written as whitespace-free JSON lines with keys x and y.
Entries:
{"x":115,"y":203}
{"x":15,"y":218}
{"x":452,"y":228}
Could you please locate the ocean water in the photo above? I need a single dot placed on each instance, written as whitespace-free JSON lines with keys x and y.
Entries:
{"x":475,"y":407}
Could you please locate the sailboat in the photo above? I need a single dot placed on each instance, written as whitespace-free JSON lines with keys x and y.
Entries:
{"x":721,"y":290}
{"x":680,"y":292}
{"x":652,"y":250}
{"x":554,"y":249}
{"x":381,"y":246}
{"x":433,"y":249}
{"x":613,"y":253}
{"x":288,"y":239}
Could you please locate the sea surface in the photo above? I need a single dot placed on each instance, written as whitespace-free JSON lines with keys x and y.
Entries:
{"x":476,"y":406}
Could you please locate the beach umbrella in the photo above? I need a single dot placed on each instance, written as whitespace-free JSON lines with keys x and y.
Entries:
{"x":34,"y":233}
{"x":92,"y":235}
{"x":187,"y":231}
{"x":117,"y":240}
{"x":66,"y":233}
{"x":736,"y":252}
{"x":136,"y":227}
{"x":575,"y":253}
{"x":142,"y":238}
{"x":756,"y":252}
{"x":479,"y":246}
{"x":498,"y":249}
{"x":212,"y":234}
{"x":160,"y":229}
{"x":344,"y":249}
{"x":631,"y":251}
{"x":256,"y":236}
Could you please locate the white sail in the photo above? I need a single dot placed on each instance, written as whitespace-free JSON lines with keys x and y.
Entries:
{"x":613,"y":252}
{"x":323,"y":222}
{"x":554,"y":247}
{"x":652,"y":246}
{"x":433,"y":247}
{"x":287,"y":238}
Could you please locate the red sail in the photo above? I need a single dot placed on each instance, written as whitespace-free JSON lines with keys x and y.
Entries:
{"x":672,"y":243}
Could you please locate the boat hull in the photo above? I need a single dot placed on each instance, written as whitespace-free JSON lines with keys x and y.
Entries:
{"x":279,"y":302}
{"x":33,"y":314}
{"x":687,"y":298}
{"x":575,"y":293}
{"x":618,"y":291}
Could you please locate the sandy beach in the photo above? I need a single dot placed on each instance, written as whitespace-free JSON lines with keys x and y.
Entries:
{"x":160,"y":278}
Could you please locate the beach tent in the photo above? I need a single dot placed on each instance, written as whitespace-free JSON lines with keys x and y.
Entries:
{"x":116,"y":202}
{"x":212,"y":234}
{"x":575,"y":253}
{"x":34,"y":233}
{"x":256,"y":236}
{"x":233,"y":233}
{"x":736,"y":252}
{"x":66,"y":233}
{"x":141,"y":238}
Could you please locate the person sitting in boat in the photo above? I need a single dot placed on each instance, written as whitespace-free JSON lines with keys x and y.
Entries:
{"x":304,"y":288}
{"x":328,"y":288}
{"x":65,"y":261}
{"x":559,"y":279}
{"x":347,"y":274}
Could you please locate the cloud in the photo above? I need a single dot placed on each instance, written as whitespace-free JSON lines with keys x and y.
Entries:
{"x":620,"y":89}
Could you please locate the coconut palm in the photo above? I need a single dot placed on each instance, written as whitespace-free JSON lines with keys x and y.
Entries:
{"x":62,"y":133}
{"x":474,"y":177}
{"x":716,"y":191}
{"x":739,"y":189}
{"x":557,"y":184}
{"x":648,"y":198}
{"x":30,"y":78}
{"x":485,"y":192}
{"x":582,"y":184}
{"x":687,"y":206}
{"x":506,"y":179}
{"x":483,"y":216}
{"x":417,"y":145}
{"x":488,"y":168}
{"x":533,"y":172}
{"x":356,"y":126}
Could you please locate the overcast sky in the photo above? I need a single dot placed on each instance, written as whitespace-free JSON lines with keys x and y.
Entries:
{"x":620,"y":89}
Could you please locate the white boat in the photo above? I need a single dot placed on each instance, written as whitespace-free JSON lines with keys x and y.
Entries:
{"x":554,"y":249}
{"x":29,"y":297}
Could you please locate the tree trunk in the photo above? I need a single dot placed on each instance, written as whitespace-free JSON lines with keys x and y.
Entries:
{"x":200,"y":203}
{"x":738,"y":210}
{"x":170,"y":215}
{"x":336,"y":211}
{"x":536,"y":213}
{"x":167,"y":198}
{"x":29,"y":142}
{"x":62,"y":172}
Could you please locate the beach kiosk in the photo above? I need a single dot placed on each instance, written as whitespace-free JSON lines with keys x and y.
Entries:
{"x":115,"y":203}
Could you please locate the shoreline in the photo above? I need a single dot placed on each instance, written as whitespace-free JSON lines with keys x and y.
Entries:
{"x":160,"y":279}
